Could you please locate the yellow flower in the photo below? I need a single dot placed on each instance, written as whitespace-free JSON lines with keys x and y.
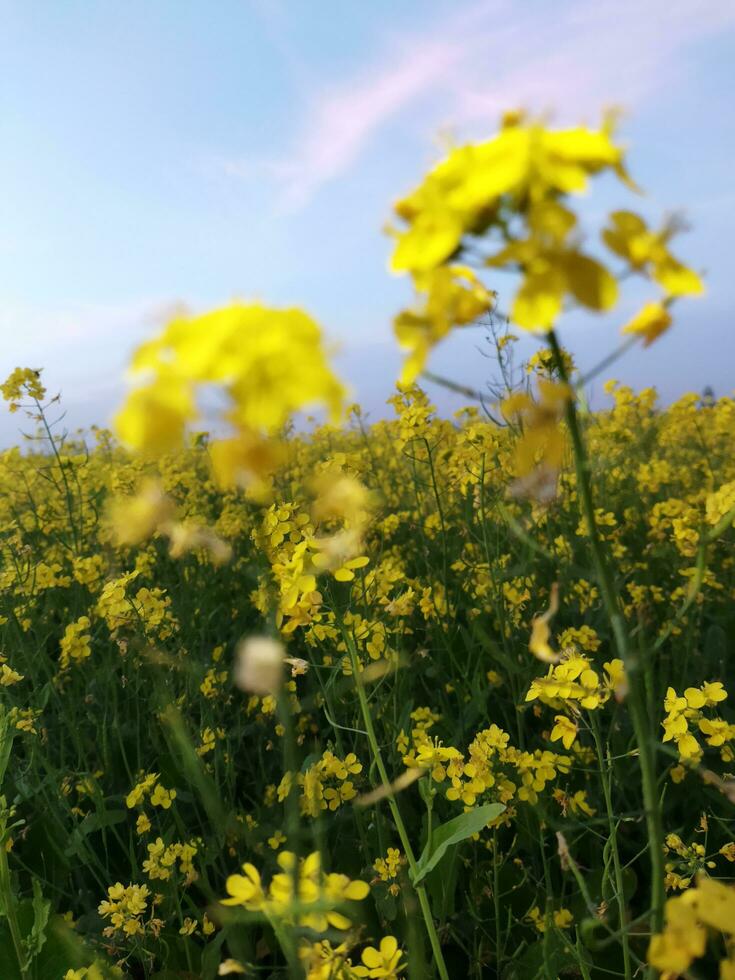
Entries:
{"x":8,"y":676}
{"x":541,"y":631}
{"x":553,"y":269}
{"x":694,"y":697}
{"x":713,"y":692}
{"x":142,"y":824}
{"x":565,"y":730}
{"x":162,"y":797}
{"x":563,"y":918}
{"x":630,"y":237}
{"x":346,"y":572}
{"x":673,"y":703}
{"x":245,"y":889}
{"x":154,"y":418}
{"x":384,"y":962}
{"x":452,"y":296}
{"x":466,"y":186}
{"x":539,"y":449}
{"x":269,"y":362}
{"x":137,"y":517}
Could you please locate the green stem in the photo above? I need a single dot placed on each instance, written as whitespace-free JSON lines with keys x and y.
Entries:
{"x":288,"y":948}
{"x":284,"y":935}
{"x":62,"y":471}
{"x":636,"y":680}
{"x":394,"y":809}
{"x":605,"y":779}
{"x":496,"y":905}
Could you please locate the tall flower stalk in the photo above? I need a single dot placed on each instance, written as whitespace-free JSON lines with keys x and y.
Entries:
{"x":635,"y":669}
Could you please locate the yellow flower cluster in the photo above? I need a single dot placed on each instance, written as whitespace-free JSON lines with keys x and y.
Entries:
{"x":316,"y":794}
{"x":150,"y":607}
{"x":710,"y":905}
{"x":322,"y":961}
{"x":573,"y":680}
{"x":124,"y":907}
{"x":149,"y":787}
{"x":492,"y":766}
{"x":162,"y":859}
{"x":75,"y":643}
{"x":514,"y":190}
{"x":388,"y":868}
{"x":268,"y":363}
{"x":684,"y":712}
{"x":300,"y":893}
{"x":561,"y":918}
{"x":686,"y":861}
{"x":22,"y":383}
{"x":539,"y":450}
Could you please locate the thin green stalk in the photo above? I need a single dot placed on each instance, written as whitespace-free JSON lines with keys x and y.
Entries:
{"x":496,"y":904}
{"x":632,"y":662}
{"x":284,"y":935}
{"x":580,"y":957}
{"x":620,"y":891}
{"x":394,"y":809}
{"x":57,"y":456}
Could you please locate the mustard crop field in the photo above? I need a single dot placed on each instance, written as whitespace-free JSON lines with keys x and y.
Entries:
{"x":416,"y":697}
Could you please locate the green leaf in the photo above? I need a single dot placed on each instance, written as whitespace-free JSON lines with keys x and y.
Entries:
{"x":92,"y":823}
{"x":211,"y":956}
{"x":454,"y":832}
{"x":35,"y":939}
{"x":441,"y":885}
{"x":385,"y":903}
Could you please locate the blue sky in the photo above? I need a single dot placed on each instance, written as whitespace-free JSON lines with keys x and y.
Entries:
{"x":156,"y":152}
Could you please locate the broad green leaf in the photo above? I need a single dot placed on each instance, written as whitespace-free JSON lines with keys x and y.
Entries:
{"x":454,"y":832}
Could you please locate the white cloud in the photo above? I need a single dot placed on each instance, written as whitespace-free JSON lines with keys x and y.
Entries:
{"x":570,"y":55}
{"x":25,"y":328}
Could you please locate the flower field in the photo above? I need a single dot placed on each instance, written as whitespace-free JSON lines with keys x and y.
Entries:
{"x":423,"y":697}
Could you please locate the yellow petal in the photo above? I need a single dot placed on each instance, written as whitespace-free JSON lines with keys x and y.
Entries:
{"x":431,"y":238}
{"x":677,"y":279}
{"x":537,"y":303}
{"x":650,"y":322}
{"x":590,"y":282}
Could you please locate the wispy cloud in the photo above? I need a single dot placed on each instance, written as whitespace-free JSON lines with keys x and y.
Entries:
{"x":463,"y":71}
{"x":76,"y":324}
{"x":341,"y":124}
